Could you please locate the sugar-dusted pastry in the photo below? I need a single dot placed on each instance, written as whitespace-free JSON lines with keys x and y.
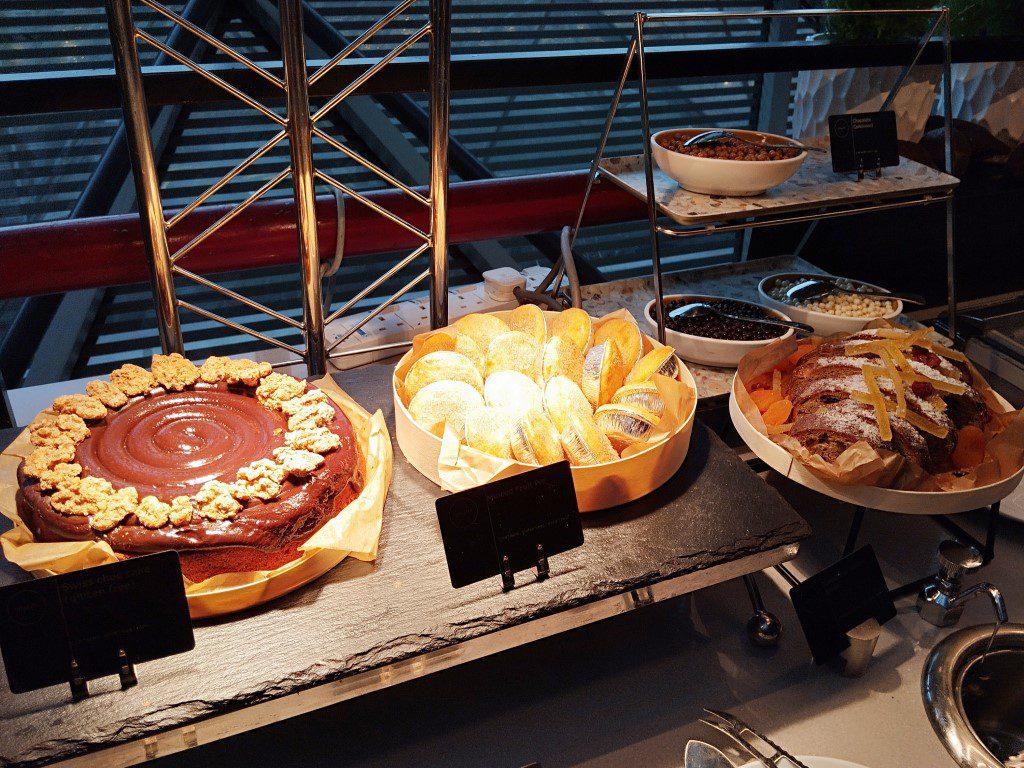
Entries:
{"x":661,"y":360}
{"x":643,"y":395}
{"x":624,"y":424}
{"x":530,"y":320}
{"x":481,"y":328}
{"x":603,"y":373}
{"x":535,"y":439}
{"x":442,"y":366}
{"x":514,"y":351}
{"x":444,"y":402}
{"x":624,"y":335}
{"x":512,"y":390}
{"x":562,"y":358}
{"x":584,"y":443}
{"x":563,"y":399}
{"x":489,"y":430}
{"x":573,"y":325}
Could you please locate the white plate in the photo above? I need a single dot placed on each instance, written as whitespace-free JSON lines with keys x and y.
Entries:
{"x":812,"y":761}
{"x":869,"y":496}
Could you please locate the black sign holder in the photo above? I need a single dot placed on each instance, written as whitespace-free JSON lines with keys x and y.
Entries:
{"x":510,"y":525}
{"x":95,"y":622}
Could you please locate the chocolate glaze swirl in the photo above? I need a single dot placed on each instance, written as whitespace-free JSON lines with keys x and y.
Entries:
{"x":170,"y":444}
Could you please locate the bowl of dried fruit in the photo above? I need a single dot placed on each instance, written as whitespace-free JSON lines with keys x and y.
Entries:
{"x":726,"y":167}
{"x":712,"y":339}
{"x":839,"y":313}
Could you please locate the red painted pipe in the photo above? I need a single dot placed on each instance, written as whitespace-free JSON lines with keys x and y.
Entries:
{"x":108,"y":250}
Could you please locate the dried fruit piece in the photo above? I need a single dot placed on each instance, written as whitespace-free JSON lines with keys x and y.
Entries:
{"x":778,"y":413}
{"x":132,"y":380}
{"x":530,"y":320}
{"x":106,"y":393}
{"x":174,"y":372}
{"x":970,"y":447}
{"x":444,"y":402}
{"x":763,"y":398}
{"x":86,"y":407}
{"x":442,"y":366}
{"x":877,"y":401}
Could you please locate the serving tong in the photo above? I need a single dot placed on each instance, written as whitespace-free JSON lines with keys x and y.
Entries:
{"x":702,"y":309}
{"x":815,"y":287}
{"x":710,"y":136}
{"x":740,"y":732}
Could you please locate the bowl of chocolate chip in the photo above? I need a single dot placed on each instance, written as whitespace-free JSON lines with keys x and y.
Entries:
{"x":712,"y":339}
{"x":727,"y":167}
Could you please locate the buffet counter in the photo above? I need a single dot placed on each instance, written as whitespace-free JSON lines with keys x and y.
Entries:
{"x":363,"y":627}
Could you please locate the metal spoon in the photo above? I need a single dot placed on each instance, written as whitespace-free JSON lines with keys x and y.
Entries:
{"x":700,"y":309}
{"x":700,"y":754}
{"x":814,"y":287}
{"x":708,"y":136}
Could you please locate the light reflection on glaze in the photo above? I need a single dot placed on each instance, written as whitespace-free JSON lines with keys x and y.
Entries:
{"x":173,"y":444}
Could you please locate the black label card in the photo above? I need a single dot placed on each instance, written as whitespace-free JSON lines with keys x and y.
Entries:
{"x":863,"y":141}
{"x":509,"y":517}
{"x":137,"y":606}
{"x":834,"y":601}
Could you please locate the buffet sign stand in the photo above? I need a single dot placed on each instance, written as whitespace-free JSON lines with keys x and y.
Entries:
{"x":366,"y":626}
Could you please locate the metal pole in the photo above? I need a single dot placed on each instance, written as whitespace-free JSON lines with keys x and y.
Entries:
{"x":147,"y":185}
{"x":300,"y":138}
{"x":440,"y":90}
{"x":947,"y":97}
{"x":652,"y":205}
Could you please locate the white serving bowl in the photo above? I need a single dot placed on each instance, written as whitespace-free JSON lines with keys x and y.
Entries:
{"x":721,"y":353}
{"x":823,"y":323}
{"x":728,"y":178}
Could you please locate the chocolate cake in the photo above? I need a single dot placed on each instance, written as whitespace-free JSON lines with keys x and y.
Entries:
{"x":916,"y":400}
{"x":229,"y":464}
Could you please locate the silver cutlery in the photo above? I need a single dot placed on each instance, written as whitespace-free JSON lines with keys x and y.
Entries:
{"x":738,"y":731}
{"x":700,"y":754}
{"x":816,"y":287}
{"x":702,"y":309}
{"x":709,"y":136}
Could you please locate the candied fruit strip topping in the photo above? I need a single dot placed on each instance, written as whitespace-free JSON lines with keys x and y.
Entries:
{"x":878,"y":401}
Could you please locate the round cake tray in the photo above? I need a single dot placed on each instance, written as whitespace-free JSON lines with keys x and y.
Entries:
{"x":869,"y":496}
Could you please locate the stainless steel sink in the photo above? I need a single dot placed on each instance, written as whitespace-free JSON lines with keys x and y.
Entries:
{"x":976,"y":705}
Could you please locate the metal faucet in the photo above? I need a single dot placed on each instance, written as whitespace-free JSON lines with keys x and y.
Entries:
{"x":941,"y":601}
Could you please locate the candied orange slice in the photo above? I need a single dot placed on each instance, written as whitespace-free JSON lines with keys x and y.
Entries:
{"x":897,"y":385}
{"x":777,"y":382}
{"x":970,"y":448}
{"x":779,"y":429}
{"x":763,"y":398}
{"x":778,"y":413}
{"x":878,"y":401}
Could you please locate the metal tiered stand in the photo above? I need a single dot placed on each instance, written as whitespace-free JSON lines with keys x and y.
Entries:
{"x":814,"y":193}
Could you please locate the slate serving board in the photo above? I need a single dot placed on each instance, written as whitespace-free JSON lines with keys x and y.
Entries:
{"x":362,"y":617}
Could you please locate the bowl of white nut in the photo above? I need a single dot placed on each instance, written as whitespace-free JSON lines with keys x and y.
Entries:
{"x":832,"y":313}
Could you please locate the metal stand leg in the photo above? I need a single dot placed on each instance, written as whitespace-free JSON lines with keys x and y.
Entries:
{"x":763,"y":628}
{"x":440,"y":87}
{"x":851,"y":537}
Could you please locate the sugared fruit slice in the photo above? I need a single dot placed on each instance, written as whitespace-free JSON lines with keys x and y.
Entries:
{"x":442,"y":366}
{"x":573,"y":325}
{"x":535,"y":440}
{"x":660,"y":360}
{"x":625,"y":336}
{"x":624,"y":425}
{"x":490,"y":430}
{"x":514,"y":351}
{"x":603,"y":373}
{"x":563,"y":400}
{"x":530,"y":320}
{"x":512,"y":390}
{"x":562,"y":358}
{"x":444,"y":402}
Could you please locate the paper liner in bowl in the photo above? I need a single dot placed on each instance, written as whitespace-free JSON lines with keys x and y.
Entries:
{"x":642,"y":469}
{"x":855,"y":476}
{"x":353,"y":531}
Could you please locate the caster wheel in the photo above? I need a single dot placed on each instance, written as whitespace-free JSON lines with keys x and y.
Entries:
{"x":764,"y":629}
